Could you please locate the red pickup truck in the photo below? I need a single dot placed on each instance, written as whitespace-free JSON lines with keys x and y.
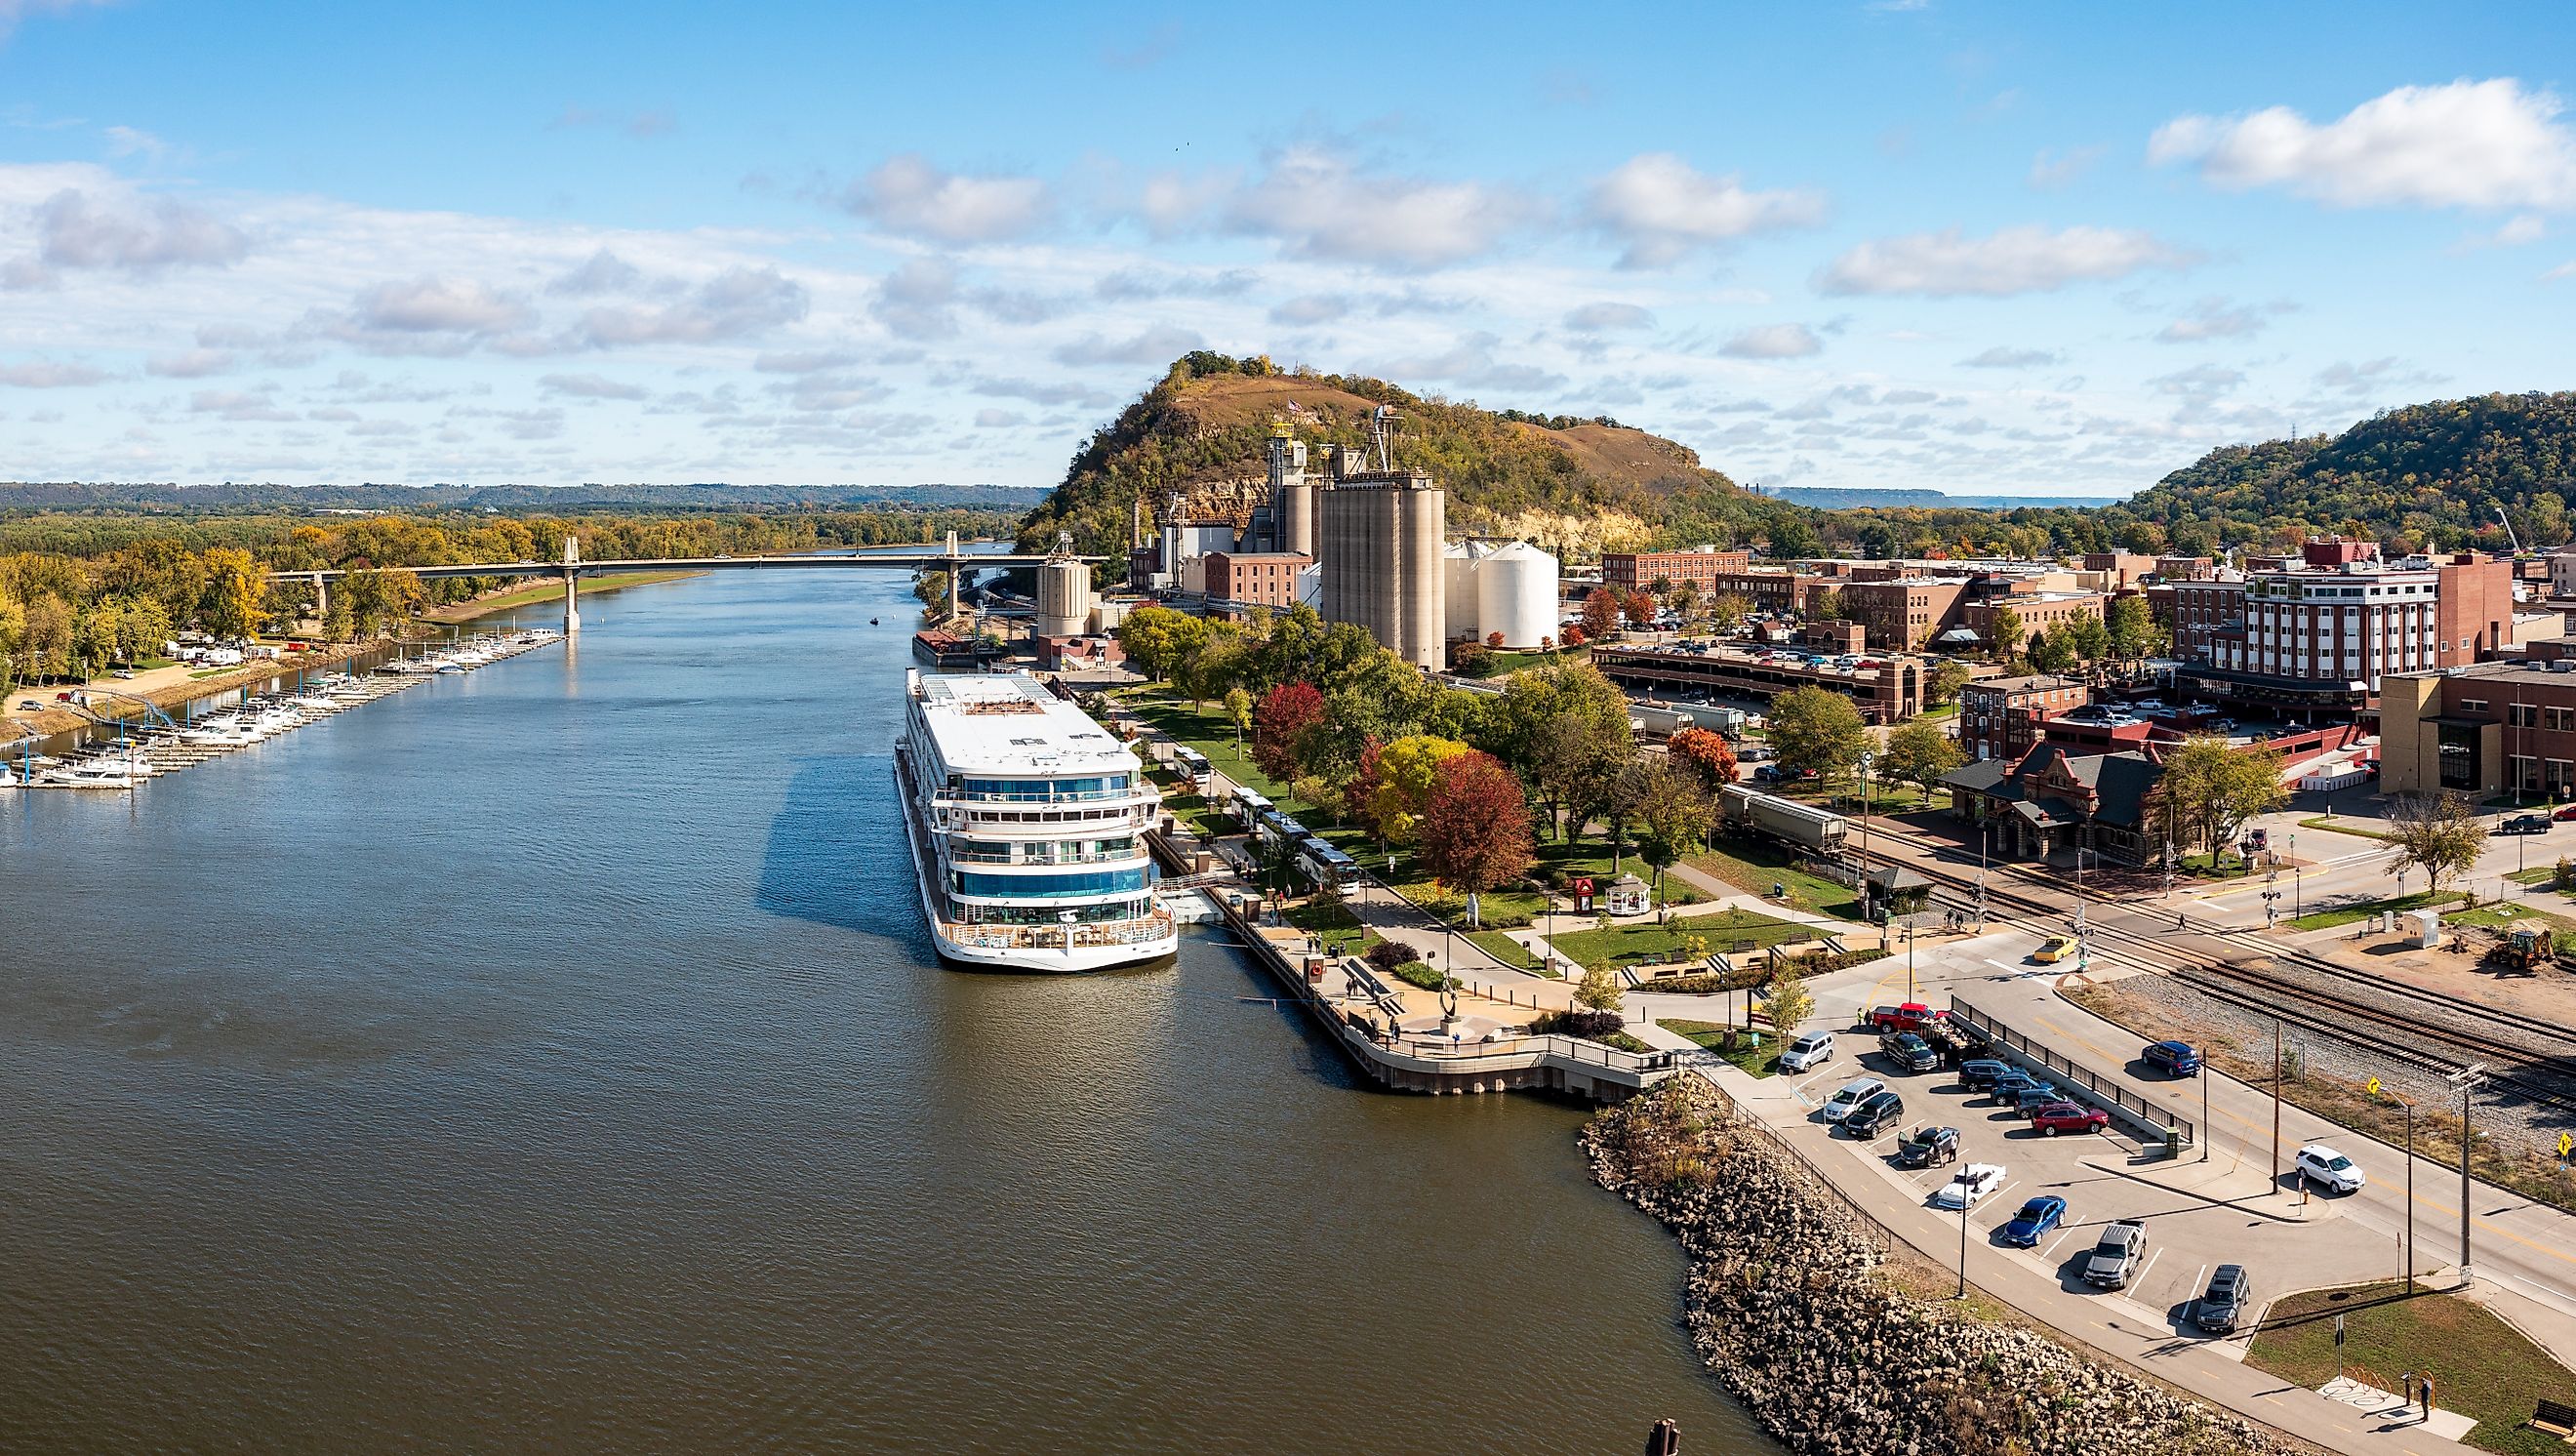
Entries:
{"x":1912,"y":1016}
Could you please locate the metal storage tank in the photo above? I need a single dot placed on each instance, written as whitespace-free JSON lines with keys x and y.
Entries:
{"x":1516,"y":594}
{"x":1459,"y":562}
{"x":1064,"y":598}
{"x":1382,"y":561}
{"x":1310,"y":587}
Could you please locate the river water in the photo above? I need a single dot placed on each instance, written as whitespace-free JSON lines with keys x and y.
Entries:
{"x":553,"y":1058}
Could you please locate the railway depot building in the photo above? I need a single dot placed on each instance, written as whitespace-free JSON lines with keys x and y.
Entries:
{"x":2053,"y":801}
{"x":2484,"y":728}
{"x":2320,"y":633}
{"x":1888,"y":693}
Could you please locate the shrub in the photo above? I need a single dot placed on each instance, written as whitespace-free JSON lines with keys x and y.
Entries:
{"x":1591,"y":1025}
{"x":2562,"y":875}
{"x":1420,"y":973}
{"x":1386,"y":955}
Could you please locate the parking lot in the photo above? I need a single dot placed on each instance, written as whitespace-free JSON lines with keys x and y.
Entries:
{"x":2197,"y":1214}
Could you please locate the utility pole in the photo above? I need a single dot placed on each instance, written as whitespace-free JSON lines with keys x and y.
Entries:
{"x":2466,"y":1079}
{"x":2276,"y":1101}
{"x":2410,"y":1197}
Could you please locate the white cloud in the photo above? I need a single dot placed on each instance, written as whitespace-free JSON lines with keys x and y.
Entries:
{"x":133,"y":235}
{"x":2215,"y":318}
{"x":48,"y":376}
{"x":2016,"y":260}
{"x":2005,"y":357}
{"x":601,"y":272}
{"x":591,"y":386}
{"x":1663,"y":208}
{"x":241,"y":405}
{"x":189,"y":363}
{"x":1773,"y":341}
{"x":440,"y":305}
{"x":1470,"y":362}
{"x":1309,"y":308}
{"x":907,"y":195}
{"x":914,"y":301}
{"x":2465,"y":144}
{"x":738,"y":303}
{"x":2050,"y":171}
{"x":1317,"y":205}
{"x":1159,"y":345}
{"x":802,"y":362}
{"x":1595,"y":318}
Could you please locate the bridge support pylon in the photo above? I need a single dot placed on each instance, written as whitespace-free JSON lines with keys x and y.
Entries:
{"x":572,"y":585}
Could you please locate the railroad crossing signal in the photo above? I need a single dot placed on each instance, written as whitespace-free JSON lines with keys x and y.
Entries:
{"x":2372,"y":1086}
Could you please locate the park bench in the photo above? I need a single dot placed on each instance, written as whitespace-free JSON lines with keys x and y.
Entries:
{"x":2556,"y":1418}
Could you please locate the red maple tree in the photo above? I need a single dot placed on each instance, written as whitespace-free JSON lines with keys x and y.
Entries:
{"x":1704,"y":753}
{"x":1279,"y":724}
{"x":1601,"y":611}
{"x":1475,"y":831}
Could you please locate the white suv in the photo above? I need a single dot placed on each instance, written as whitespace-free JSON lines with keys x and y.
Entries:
{"x":1808,"y":1051}
{"x":1850,"y":1095}
{"x":2322,"y":1165}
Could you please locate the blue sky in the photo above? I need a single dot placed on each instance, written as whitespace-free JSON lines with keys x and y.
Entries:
{"x":1982,"y":248}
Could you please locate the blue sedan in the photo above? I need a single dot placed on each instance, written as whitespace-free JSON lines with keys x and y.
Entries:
{"x":2034,"y":1221}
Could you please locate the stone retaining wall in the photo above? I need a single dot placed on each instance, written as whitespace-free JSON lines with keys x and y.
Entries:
{"x":1789,"y":1301}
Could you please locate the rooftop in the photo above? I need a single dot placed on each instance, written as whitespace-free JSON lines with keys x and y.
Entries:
{"x":1010,"y":722}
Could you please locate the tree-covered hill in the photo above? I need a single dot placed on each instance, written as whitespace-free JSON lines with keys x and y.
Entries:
{"x":1574,"y":484}
{"x":2425,"y":475}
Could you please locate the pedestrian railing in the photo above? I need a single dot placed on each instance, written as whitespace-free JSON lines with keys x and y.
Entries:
{"x":2082,"y":1083}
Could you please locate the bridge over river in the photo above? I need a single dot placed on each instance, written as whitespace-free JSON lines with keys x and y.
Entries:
{"x":572,"y":568}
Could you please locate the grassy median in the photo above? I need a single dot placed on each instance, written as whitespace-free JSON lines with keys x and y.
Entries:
{"x":2481,"y":1366}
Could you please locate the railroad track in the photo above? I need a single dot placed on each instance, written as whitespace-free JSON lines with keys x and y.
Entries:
{"x":2526,"y":1055}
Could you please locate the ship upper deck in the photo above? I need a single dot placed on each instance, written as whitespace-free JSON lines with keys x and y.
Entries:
{"x":1009,"y":724}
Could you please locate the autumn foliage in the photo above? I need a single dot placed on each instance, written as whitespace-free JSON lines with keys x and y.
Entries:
{"x":1475,"y":830}
{"x":1706,"y":754}
{"x":1279,"y":724}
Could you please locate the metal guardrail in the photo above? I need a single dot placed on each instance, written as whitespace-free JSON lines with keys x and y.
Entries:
{"x":2072,"y":1076}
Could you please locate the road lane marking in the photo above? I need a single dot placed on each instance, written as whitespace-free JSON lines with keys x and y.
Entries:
{"x":2150,"y":1264}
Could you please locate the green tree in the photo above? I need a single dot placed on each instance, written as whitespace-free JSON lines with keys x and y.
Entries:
{"x":2439,"y":834}
{"x":1408,"y":771}
{"x":1599,"y":988}
{"x":2050,"y":651}
{"x":2004,"y":633}
{"x":1817,"y":728}
{"x":1918,"y":753}
{"x":1828,"y":606}
{"x":1238,"y":711}
{"x":1946,"y":680}
{"x":2131,"y":628}
{"x":1788,"y":1003}
{"x":2210,"y":790}
{"x":931,"y":588}
{"x":2088,"y":638}
{"x":1674,"y":816}
{"x":235,"y":589}
{"x":1728,"y":611}
{"x":1160,"y":640}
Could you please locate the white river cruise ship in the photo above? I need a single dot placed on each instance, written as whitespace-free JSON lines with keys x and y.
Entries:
{"x":1027,"y":824}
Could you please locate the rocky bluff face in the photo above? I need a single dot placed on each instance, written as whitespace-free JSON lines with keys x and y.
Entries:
{"x":1791,"y":1304}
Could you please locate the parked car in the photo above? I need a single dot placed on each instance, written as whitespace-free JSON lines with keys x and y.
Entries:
{"x":2525,"y":824}
{"x":2053,"y":1118}
{"x":1849,"y":1095}
{"x":1808,"y":1051}
{"x":2033,"y":1098}
{"x":2117,"y":1254}
{"x":123,"y":674}
{"x":2012,"y":1084}
{"x":2565,"y":814}
{"x":1912,"y":1016}
{"x":1983,"y":1073}
{"x":1971,"y":1183}
{"x":30,"y":705}
{"x":2036,"y":1218}
{"x":2223,"y":1305}
{"x":1882,"y":1111}
{"x":2173,"y":1058}
{"x":1910,"y":1053}
{"x":2322,"y":1165}
{"x":2056,"y":948}
{"x":1927,"y":1146}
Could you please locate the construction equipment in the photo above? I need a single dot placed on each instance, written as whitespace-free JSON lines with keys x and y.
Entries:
{"x":2520,"y":950}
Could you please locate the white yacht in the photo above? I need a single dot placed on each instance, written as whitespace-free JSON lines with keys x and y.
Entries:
{"x":103,"y":772}
{"x":1027,"y":826}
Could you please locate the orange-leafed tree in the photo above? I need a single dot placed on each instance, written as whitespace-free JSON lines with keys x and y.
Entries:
{"x":1475,"y":830}
{"x":1706,"y":754}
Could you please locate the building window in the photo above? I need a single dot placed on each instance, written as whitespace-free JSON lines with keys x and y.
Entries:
{"x":2521,"y":715}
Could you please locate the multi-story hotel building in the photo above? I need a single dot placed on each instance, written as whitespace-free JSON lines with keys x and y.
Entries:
{"x":2321,"y":633}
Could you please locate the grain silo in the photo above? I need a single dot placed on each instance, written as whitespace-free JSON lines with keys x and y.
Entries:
{"x":1381,"y":539}
{"x":1516,"y":594}
{"x":1292,"y":493}
{"x":1064,"y":593}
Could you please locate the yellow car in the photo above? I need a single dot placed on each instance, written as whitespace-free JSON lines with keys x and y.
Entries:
{"x":2058,"y":948}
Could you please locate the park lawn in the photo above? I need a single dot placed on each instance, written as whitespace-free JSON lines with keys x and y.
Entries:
{"x":1711,"y":1036}
{"x":2213,"y":867}
{"x":1509,"y":951}
{"x":1755,"y":868}
{"x":2364,"y":909}
{"x":2343,"y":826}
{"x":1631,"y":944}
{"x":1332,"y":922}
{"x":2481,"y":1366}
{"x":1208,"y":731}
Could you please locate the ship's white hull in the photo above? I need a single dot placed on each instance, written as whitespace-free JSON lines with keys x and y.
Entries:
{"x":957,"y":945}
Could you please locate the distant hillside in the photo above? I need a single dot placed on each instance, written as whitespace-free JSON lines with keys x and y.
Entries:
{"x":553,"y":499}
{"x":1570,"y":483}
{"x":1838,"y":498}
{"x":2427,"y":474}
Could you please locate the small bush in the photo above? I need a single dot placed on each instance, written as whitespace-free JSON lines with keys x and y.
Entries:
{"x":1591,"y":1025}
{"x":1385,"y":956}
{"x":2562,"y":875}
{"x":1420,"y":973}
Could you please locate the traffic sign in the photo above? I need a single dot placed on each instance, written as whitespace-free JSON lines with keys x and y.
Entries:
{"x":2372,"y":1086}
{"x":2566,"y":1146}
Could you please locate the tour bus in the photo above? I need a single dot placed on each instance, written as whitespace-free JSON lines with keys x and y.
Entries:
{"x":1249,"y":806}
{"x":1328,"y":867}
{"x":1192,"y":764}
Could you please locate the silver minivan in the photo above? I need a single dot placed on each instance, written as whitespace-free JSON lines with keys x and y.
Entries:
{"x":1851,"y":1094}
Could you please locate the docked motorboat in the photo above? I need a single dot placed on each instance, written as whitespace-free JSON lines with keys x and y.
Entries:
{"x":91,"y":773}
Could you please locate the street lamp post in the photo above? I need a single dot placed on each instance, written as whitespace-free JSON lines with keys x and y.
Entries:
{"x":2466,"y":1079}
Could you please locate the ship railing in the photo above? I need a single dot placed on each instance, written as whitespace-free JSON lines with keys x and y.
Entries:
{"x":1157,"y":926}
{"x":1099,"y":857}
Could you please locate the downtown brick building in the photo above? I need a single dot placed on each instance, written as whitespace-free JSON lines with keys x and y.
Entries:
{"x":1640,"y":570}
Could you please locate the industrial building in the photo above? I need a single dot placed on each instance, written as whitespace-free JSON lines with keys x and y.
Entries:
{"x":1640,"y":570}
{"x":1381,"y":551}
{"x":1505,"y":588}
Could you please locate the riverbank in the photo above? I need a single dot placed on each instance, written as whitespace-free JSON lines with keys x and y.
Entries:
{"x":165,"y":688}
{"x":1804,"y":1310}
{"x":506,"y":598}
